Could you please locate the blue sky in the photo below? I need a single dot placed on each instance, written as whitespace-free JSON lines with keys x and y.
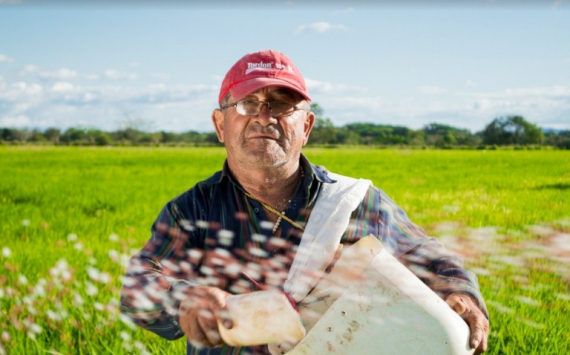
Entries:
{"x":158,"y":66}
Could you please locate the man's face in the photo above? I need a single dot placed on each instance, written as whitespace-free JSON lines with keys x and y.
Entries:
{"x":262,"y":140}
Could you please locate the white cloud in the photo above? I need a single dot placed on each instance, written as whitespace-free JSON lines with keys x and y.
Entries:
{"x":431,"y":90}
{"x":470,"y":84}
{"x":61,"y":74}
{"x":15,"y":121}
{"x":161,"y":76}
{"x":29,"y":69}
{"x":5,"y":59}
{"x":92,"y":77}
{"x":545,"y":106}
{"x":116,"y":75}
{"x":28,"y":89}
{"x":62,"y":86}
{"x":323,"y":87}
{"x":320,"y":27}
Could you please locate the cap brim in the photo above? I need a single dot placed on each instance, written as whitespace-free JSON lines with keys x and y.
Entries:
{"x":247,"y":87}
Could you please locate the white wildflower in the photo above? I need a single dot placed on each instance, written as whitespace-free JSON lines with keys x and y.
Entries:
{"x":125,"y":336}
{"x":91,"y":289}
{"x":72,"y":237}
{"x":266,"y":224}
{"x":258,"y":252}
{"x":124,"y":261}
{"x":113,"y":237}
{"x":142,"y":302}
{"x":104,"y":278}
{"x":26,"y":222}
{"x":127,"y":321}
{"x":93,"y":273}
{"x":39,"y":290}
{"x":5,"y":337}
{"x":52,"y":315}
{"x":6,"y":252}
{"x":113,"y":255}
{"x":202,"y":224}
{"x":78,"y":299}
{"x":129,"y":281}
{"x":260,"y":238}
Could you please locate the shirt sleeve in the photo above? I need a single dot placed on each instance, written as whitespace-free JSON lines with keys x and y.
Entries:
{"x":158,"y":275}
{"x":438,"y":268}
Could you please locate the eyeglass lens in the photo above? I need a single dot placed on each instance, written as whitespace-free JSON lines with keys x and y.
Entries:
{"x":253,"y":108}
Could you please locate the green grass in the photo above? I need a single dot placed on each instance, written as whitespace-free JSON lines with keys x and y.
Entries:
{"x":507,"y":212}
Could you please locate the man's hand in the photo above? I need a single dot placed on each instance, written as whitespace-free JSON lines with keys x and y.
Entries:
{"x":467,"y":308}
{"x":199,"y":315}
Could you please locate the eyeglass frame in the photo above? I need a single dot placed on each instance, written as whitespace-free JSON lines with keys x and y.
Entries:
{"x":263,"y":103}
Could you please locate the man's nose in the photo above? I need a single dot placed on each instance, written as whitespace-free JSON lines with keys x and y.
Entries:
{"x":264,"y":117}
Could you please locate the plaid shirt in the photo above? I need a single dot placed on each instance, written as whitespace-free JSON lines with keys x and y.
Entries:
{"x":213,"y":232}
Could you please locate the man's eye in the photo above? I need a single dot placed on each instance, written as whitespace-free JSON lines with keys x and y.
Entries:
{"x":281,"y":105}
{"x":249,"y":102}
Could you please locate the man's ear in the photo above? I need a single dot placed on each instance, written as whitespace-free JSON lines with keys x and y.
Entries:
{"x":309,"y":123}
{"x":218,"y":120}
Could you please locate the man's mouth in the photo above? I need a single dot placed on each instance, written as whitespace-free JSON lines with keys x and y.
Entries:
{"x":262,"y":136}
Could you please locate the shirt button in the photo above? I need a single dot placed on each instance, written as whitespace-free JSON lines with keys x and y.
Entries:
{"x":256,"y":210}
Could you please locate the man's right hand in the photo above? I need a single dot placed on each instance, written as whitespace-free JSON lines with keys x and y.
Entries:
{"x":199,"y":315}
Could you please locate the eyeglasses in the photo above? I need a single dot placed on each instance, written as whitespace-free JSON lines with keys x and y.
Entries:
{"x":253,"y":107}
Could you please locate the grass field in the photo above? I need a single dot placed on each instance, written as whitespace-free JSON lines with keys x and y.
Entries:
{"x":71,"y":218}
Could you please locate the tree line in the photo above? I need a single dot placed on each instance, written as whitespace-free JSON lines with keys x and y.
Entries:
{"x":501,"y":131}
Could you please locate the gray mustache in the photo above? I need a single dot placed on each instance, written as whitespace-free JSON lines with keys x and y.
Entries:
{"x":271,"y":130}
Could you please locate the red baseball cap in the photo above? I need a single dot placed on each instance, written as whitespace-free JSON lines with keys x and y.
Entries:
{"x":255,"y":71}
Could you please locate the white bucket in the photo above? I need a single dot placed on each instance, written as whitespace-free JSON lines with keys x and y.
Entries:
{"x":381,"y":308}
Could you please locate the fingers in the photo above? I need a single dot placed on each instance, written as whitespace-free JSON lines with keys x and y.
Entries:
{"x":199,"y":315}
{"x":208,"y":325}
{"x":478,"y":324}
{"x":224,"y":317}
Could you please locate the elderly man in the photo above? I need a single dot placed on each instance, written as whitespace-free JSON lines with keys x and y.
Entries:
{"x":241,"y":228}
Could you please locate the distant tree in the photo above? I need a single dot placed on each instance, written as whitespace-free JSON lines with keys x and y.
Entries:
{"x":511,"y":130}
{"x":441,"y":135}
{"x":317,"y":109}
{"x":196,"y":138}
{"x":8,"y":134}
{"x":212,"y":138}
{"x":345,"y":136}
{"x":169,"y":137}
{"x":371,"y":133}
{"x":559,"y":139}
{"x":53,"y":135}
{"x":324,"y":131}
{"x":36,"y":136}
{"x":73,"y":136}
{"x":101,"y":138}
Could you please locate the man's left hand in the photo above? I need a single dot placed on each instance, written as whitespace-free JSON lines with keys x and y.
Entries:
{"x":466,"y":306}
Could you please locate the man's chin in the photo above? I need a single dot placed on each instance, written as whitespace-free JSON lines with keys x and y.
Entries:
{"x":265,"y":159}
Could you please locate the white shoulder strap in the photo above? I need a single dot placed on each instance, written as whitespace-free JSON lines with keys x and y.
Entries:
{"x":327,"y":223}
